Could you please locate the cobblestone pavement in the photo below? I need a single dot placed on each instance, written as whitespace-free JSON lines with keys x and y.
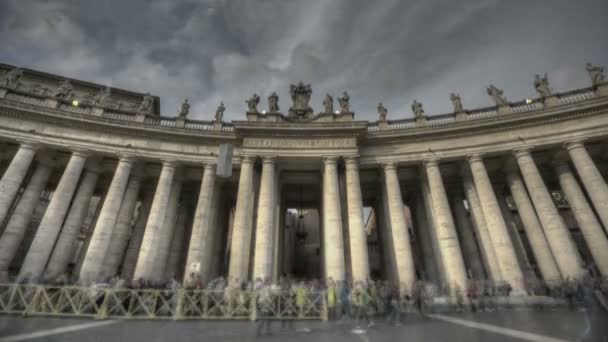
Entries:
{"x":545,"y":326}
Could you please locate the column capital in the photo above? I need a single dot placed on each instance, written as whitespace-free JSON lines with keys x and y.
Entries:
{"x":474,"y":157}
{"x":269,"y":159}
{"x":353,"y":160}
{"x":127,"y":158}
{"x":171,"y":163}
{"x":327,"y":160}
{"x":389,"y":165}
{"x":79,"y":152}
{"x":29,"y":145}
{"x":430,"y":162}
{"x":574,"y":144}
{"x":247,"y":159}
{"x":208,"y":166}
{"x":521,"y":151}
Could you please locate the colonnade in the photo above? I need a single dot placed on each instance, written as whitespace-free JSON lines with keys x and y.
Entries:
{"x":146,"y":248}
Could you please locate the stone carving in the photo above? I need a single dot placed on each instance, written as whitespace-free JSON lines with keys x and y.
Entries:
{"x":300,"y":95}
{"x":382,"y":111}
{"x":300,"y":143}
{"x":252,"y":103}
{"x":328,"y":104}
{"x":596,"y":74}
{"x":417,"y":109}
{"x":184,"y":110}
{"x":560,"y":199}
{"x":273,"y":103}
{"x":102,"y":98}
{"x":344,"y":103}
{"x":64,"y":92}
{"x":146,"y":104}
{"x":497,"y":96}
{"x":219,"y":112}
{"x":10,"y":80}
{"x":542,"y":86}
{"x":456,"y":103}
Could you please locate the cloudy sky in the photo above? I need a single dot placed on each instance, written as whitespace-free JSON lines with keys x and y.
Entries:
{"x":392,"y":51}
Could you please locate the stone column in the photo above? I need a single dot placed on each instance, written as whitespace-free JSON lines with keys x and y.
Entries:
{"x":50,"y":225}
{"x":501,"y":241}
{"x":447,"y":238}
{"x":146,"y":262}
{"x":591,"y":178}
{"x":68,"y":238}
{"x":558,"y":236}
{"x":167,"y":231}
{"x":470,"y":252}
{"x":332,"y":222}
{"x":241,"y":230}
{"x":404,"y":258}
{"x":123,"y":229}
{"x":587,"y":222}
{"x":132,"y":252}
{"x":426,"y":243}
{"x":16,"y":228}
{"x":356,"y":228}
{"x":13,"y":177}
{"x":92,"y":264}
{"x":483,"y":234}
{"x":534,"y":231}
{"x":262,"y":261}
{"x":430,"y":228}
{"x":174,"y":263}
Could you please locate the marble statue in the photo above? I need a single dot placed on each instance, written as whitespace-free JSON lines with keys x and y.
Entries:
{"x":184,"y":110}
{"x":10,"y":79}
{"x":146,"y":104}
{"x":300,"y":95}
{"x":542,"y":86}
{"x":219,"y":112}
{"x":497,"y":96}
{"x":456,"y":103}
{"x":344,"y":105}
{"x":64,"y":92}
{"x":417,"y":109}
{"x":596,"y":73}
{"x":252,"y":103}
{"x":382,"y":111}
{"x":102,"y":97}
{"x":328,"y":104}
{"x":273,"y":103}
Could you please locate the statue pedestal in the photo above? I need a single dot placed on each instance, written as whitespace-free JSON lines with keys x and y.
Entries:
{"x":551,"y":101}
{"x":217,"y":125}
{"x":252,"y":116}
{"x":421,"y":122}
{"x":383,"y":124}
{"x":3,"y":93}
{"x":180,"y":122}
{"x":51,"y":103}
{"x":504,"y":110}
{"x":97,"y":111}
{"x":461,"y":116}
{"x":602,"y":89}
{"x":140,"y":117}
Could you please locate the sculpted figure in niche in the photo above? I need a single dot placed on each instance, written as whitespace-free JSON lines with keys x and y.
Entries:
{"x":219,"y":112}
{"x":102,"y":97}
{"x":344,"y":105}
{"x":596,"y":73}
{"x":184,"y":110}
{"x":542,"y":86}
{"x":273,"y":103}
{"x":417,"y":109}
{"x":328,"y":104}
{"x":10,"y":80}
{"x":382,"y":111}
{"x":455,"y":98}
{"x":497,"y":96}
{"x":252,"y":103}
{"x":64,"y":92}
{"x":146,"y":104}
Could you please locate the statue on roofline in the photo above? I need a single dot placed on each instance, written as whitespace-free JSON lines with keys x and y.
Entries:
{"x":273,"y":103}
{"x":596,"y":74}
{"x":184,"y":110}
{"x":219,"y":112}
{"x":542,"y":86}
{"x":252,"y":103}
{"x":146,"y":104}
{"x":328,"y":104}
{"x":64,"y":92}
{"x":497,"y":96}
{"x":10,"y":79}
{"x":417,"y":109}
{"x":456,"y":103}
{"x":102,"y":97}
{"x":382,"y":111}
{"x":344,"y":103}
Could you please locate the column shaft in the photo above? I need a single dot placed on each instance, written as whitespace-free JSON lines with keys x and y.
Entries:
{"x":146,"y":262}
{"x":356,"y":228}
{"x":558,"y":236}
{"x":587,"y":222}
{"x":241,"y":230}
{"x":404,"y":258}
{"x":68,"y":238}
{"x":262,"y":267}
{"x":137,"y":236}
{"x":13,"y":177}
{"x":426,"y":242}
{"x":174,"y":263}
{"x":471,"y":254}
{"x":123,"y":230}
{"x":50,"y":225}
{"x":534,"y":231}
{"x":591,"y":178}
{"x":167,"y":232}
{"x":447,"y":238}
{"x":332,"y":222}
{"x":16,"y":228}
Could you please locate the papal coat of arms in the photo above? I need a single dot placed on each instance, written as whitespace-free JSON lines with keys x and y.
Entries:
{"x":300,"y":95}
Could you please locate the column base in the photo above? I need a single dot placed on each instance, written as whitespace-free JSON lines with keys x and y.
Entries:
{"x":602,"y":89}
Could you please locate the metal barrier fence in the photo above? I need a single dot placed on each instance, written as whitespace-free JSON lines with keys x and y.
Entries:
{"x":102,"y":303}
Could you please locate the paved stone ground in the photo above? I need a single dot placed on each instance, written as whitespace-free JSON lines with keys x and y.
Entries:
{"x":547,"y":326}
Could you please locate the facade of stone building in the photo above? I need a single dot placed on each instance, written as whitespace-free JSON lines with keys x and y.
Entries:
{"x":96,"y":183}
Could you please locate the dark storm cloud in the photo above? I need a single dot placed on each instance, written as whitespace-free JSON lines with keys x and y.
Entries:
{"x":392,"y":51}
